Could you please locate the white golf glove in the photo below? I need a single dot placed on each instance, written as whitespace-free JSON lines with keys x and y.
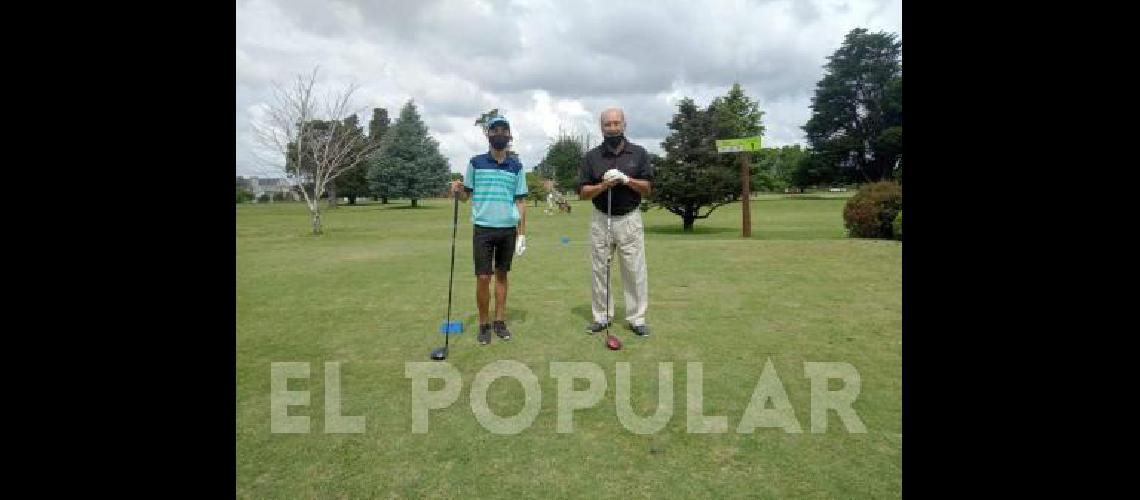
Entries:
{"x":520,"y":244}
{"x":614,"y":173}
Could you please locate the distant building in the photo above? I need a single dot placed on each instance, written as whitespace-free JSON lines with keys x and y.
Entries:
{"x":271,"y":186}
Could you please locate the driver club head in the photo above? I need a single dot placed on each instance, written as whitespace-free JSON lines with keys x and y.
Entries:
{"x":613,"y":343}
{"x":439,"y":354}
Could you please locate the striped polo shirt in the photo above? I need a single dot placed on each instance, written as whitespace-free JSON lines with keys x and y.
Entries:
{"x":494,"y":187}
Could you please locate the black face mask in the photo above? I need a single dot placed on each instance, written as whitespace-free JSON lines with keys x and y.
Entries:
{"x":500,"y":142}
{"x":613,"y":140}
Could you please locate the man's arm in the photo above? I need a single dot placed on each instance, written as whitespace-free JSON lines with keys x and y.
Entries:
{"x":642,"y":186}
{"x":589,"y":191}
{"x":521,"y":203}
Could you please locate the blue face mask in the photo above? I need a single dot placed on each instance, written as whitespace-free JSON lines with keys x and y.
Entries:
{"x":500,"y":142}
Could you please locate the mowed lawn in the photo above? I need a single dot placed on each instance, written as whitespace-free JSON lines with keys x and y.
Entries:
{"x":372,"y":291}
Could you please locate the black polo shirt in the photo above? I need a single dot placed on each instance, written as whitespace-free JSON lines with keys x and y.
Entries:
{"x":632,"y":161}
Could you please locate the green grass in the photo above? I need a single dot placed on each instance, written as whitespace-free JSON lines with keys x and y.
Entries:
{"x":372,"y":291}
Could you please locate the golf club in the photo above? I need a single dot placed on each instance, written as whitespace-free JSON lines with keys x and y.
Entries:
{"x":448,"y":327}
{"x":612,"y":342}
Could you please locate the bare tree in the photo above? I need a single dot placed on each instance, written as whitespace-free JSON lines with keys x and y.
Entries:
{"x":304,"y":135}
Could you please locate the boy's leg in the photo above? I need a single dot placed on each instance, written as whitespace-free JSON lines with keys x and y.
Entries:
{"x":504,"y":255}
{"x":483,"y":297}
{"x":500,"y":295}
{"x":482,"y":253}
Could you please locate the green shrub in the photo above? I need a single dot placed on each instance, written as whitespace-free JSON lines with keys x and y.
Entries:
{"x":871,"y":212}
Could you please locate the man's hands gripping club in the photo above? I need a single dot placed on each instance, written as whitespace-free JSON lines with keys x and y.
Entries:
{"x":615,"y":176}
{"x":610,"y":178}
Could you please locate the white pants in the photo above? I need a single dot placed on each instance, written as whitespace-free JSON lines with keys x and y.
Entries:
{"x":627,"y":237}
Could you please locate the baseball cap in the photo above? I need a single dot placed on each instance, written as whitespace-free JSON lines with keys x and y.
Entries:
{"x":498,"y":120}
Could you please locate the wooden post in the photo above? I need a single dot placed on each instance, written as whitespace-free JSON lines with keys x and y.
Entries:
{"x":744,"y":146}
{"x":745,"y":196}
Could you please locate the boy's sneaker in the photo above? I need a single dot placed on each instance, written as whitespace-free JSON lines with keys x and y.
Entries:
{"x":484,"y":334}
{"x":501,"y":330}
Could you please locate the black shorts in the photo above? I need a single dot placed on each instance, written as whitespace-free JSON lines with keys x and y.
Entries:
{"x":493,"y":243}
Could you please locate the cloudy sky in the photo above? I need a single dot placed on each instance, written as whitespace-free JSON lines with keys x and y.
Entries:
{"x":546,"y":64}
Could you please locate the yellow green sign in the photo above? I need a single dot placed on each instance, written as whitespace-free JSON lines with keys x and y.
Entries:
{"x":738,"y":145}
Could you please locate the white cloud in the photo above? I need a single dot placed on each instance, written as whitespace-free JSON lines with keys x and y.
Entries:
{"x":547,"y":64}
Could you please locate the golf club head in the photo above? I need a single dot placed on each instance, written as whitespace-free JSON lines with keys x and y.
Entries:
{"x":613,"y":343}
{"x":439,"y":354}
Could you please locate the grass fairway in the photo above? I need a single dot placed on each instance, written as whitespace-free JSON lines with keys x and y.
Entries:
{"x":372,"y":292}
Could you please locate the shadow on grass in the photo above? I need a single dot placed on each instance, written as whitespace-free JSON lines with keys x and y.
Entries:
{"x":407,"y":207}
{"x":514,"y":315}
{"x":583,"y":311}
{"x":697,"y":229}
{"x":808,"y":197}
{"x":431,"y":204}
{"x":587,"y":314}
{"x":759,"y":232}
